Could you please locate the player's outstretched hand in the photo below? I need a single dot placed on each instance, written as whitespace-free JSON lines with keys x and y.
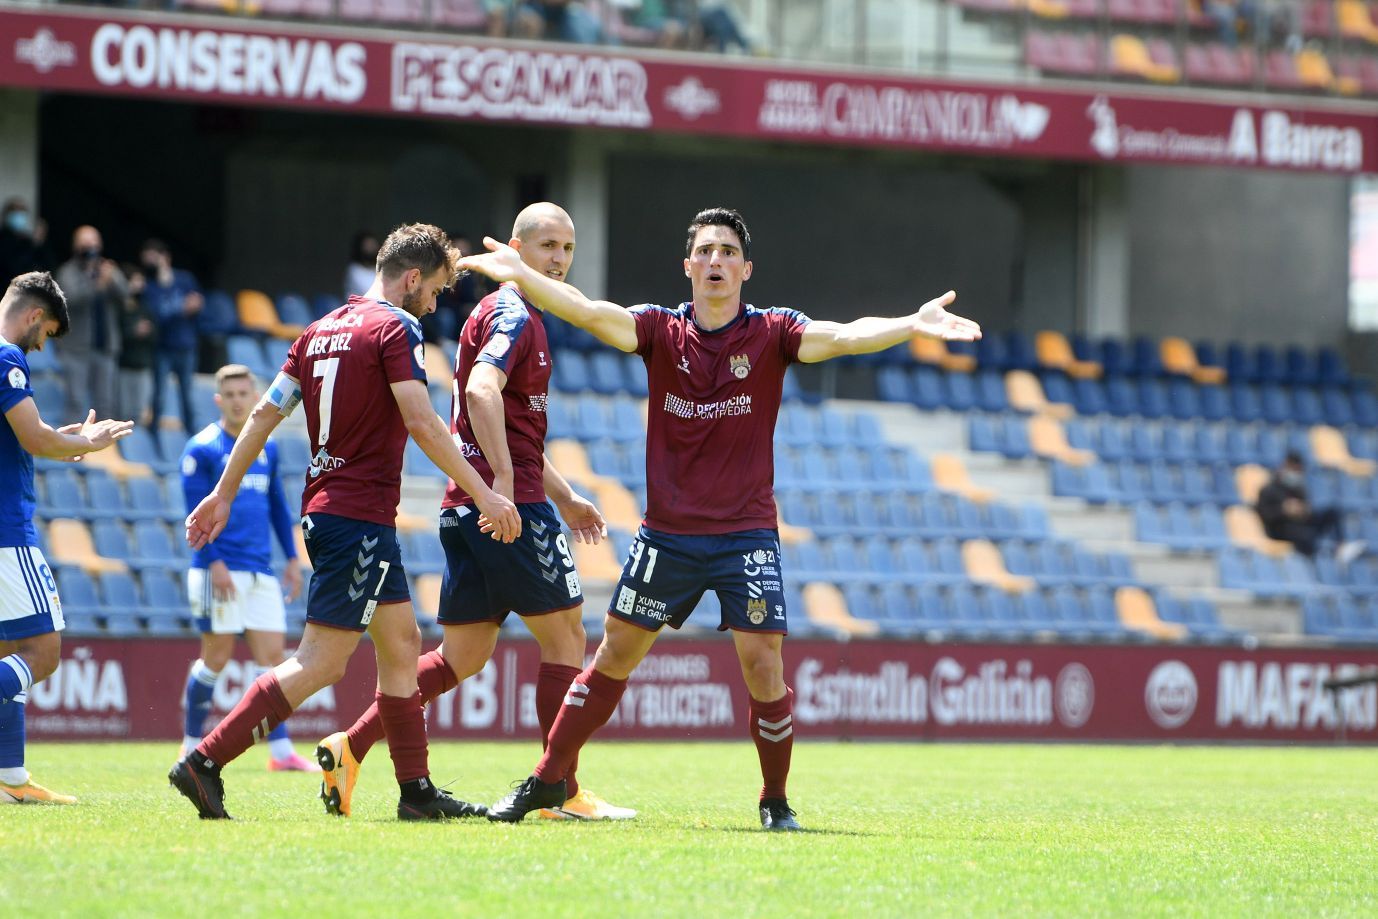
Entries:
{"x":103,"y":433}
{"x":934,"y":320}
{"x":501,"y":262}
{"x":583,"y":519}
{"x":498,"y":517}
{"x":206,"y":520}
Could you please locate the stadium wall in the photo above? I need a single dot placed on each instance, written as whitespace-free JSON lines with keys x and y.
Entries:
{"x":19,"y":145}
{"x":692,"y":688}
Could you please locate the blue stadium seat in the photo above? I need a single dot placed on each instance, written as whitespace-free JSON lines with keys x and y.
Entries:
{"x":1089,"y":397}
{"x":1113,"y":358}
{"x":294,"y":454}
{"x":147,"y":500}
{"x":416,"y":462}
{"x":140,"y":447}
{"x":321,"y":304}
{"x":1298,"y":369}
{"x":294,"y":310}
{"x":218,"y":315}
{"x":244,"y":349}
{"x":960,"y":391}
{"x":1365,"y":406}
{"x":1214,"y":403}
{"x":1306,"y":407}
{"x":1014,"y":435}
{"x":1121,"y":397}
{"x":1276,"y":404}
{"x":1244,"y":403}
{"x":1184,"y":401}
{"x":1153,"y":398}
{"x":985,"y":434}
{"x":424,"y":554}
{"x":1177,"y":443}
{"x":571,"y":371}
{"x":605,"y":373}
{"x":926,"y":388}
{"x":1144,"y":445}
{"x":1147,"y":357}
{"x":990,"y":391}
{"x":1057,"y":388}
{"x":110,"y":539}
{"x":163,"y":589}
{"x":1267,"y":365}
{"x":1330,"y":368}
{"x":153,"y":547}
{"x":1114,"y":444}
{"x":1335,"y":408}
{"x":62,"y":496}
{"x":119,"y":592}
{"x":77,"y":590}
{"x":1208,"y":444}
{"x":991,"y":354}
{"x":1019,"y":351}
{"x":893,"y":385}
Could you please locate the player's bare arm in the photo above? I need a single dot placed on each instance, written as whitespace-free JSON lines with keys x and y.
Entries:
{"x":608,"y":322}
{"x":39,"y":439}
{"x":431,"y":435}
{"x":483,"y":395}
{"x":209,"y":517}
{"x":580,"y":515}
{"x":824,"y":340}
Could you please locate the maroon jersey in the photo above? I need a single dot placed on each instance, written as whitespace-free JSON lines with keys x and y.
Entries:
{"x":345,"y":364}
{"x":714,"y":398}
{"x":505,"y":330}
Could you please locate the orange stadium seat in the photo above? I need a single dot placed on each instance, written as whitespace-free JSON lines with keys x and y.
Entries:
{"x":1313,"y":70}
{"x":1025,"y":394}
{"x":934,"y":351}
{"x":950,"y":475}
{"x":825,"y":606}
{"x":71,"y":544}
{"x":1130,"y":57}
{"x":1138,"y":612}
{"x":985,"y":565}
{"x":257,"y":313}
{"x":789,"y":534}
{"x":1249,"y":480}
{"x":572,"y":460}
{"x":1355,"y":20}
{"x":617,"y":504}
{"x":1246,"y":530}
{"x":1329,"y":448}
{"x":596,"y":564}
{"x":113,"y":462}
{"x":1179,"y":357}
{"x":1054,"y":351}
{"x":1049,"y":440}
{"x":428,"y":596}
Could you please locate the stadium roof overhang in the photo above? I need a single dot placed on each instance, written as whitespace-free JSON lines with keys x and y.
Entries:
{"x":425,"y":74}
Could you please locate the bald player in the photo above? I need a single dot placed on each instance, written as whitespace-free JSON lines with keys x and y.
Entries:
{"x":498,"y":419}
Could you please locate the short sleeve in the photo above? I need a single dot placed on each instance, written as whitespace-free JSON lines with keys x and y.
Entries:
{"x":402,"y":350}
{"x":292,"y":366}
{"x":16,"y":386}
{"x":791,"y":324}
{"x":650,"y":320}
{"x":503,"y":338}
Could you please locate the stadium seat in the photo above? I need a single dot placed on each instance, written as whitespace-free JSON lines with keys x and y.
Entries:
{"x":1048,"y":440}
{"x":1180,"y":358}
{"x":71,"y":544}
{"x":950,"y":475}
{"x":459,"y":15}
{"x":827,"y":607}
{"x":1137,"y":612}
{"x":1132,"y":57}
{"x":294,"y":310}
{"x":1054,"y":352}
{"x":218,"y":315}
{"x":984,"y":565}
{"x":62,"y":495}
{"x":935,"y":352}
{"x":1329,"y":449}
{"x":1246,"y":531}
{"x":153,"y":547}
{"x":77,"y":589}
{"x":258,"y":314}
{"x":119,"y":592}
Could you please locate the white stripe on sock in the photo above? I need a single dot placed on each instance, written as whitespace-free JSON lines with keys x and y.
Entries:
{"x":21,"y":670}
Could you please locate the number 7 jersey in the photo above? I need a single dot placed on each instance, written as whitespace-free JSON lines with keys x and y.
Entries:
{"x":346,"y":363}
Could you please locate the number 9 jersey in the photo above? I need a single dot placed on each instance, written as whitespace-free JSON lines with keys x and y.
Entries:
{"x":345,"y":364}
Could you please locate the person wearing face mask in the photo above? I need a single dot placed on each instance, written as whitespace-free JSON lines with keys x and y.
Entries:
{"x":363,"y":258}
{"x":175,"y":299}
{"x":23,"y":244}
{"x":1285,"y":508}
{"x":96,"y":291}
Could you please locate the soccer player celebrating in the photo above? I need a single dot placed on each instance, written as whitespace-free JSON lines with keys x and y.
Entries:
{"x":359,"y":372}
{"x":230,"y":583}
{"x":32,"y":310}
{"x":715,"y":368}
{"x":502,"y":374}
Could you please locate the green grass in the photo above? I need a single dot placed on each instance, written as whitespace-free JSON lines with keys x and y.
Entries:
{"x":893,"y":830}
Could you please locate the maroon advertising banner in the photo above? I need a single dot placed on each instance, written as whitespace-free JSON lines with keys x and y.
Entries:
{"x":692,"y":689}
{"x":436,"y":76}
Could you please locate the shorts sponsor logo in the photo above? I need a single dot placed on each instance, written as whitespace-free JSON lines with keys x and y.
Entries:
{"x":1170,"y":694}
{"x":1074,"y":695}
{"x":740,"y":364}
{"x":626,"y":601}
{"x":758,"y":562}
{"x":652,"y":608}
{"x":572,"y":584}
{"x":753,"y":588}
{"x":17,"y":378}
{"x":756,"y":610}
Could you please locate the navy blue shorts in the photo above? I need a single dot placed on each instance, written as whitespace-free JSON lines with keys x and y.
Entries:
{"x":356,"y":566}
{"x":486,"y":579}
{"x":666,"y":575}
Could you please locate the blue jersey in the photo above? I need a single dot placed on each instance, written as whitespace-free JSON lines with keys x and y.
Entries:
{"x":16,"y":465}
{"x":243,"y":546}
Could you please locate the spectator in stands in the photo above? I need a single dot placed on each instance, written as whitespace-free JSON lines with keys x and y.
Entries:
{"x":454,"y":305}
{"x":1287,"y":514}
{"x":174,"y":298}
{"x":720,"y":28}
{"x":666,"y":18}
{"x":363,"y":258}
{"x":23,"y":241}
{"x":1284,"y":23}
{"x":138,"y":344}
{"x":564,"y":20}
{"x":96,"y":291}
{"x":1230,"y":16}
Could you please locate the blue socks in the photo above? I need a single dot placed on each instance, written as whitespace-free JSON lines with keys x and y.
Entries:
{"x":200,"y":687}
{"x":12,"y":740}
{"x":15,"y":677}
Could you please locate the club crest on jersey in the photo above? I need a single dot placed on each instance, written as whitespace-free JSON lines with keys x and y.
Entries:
{"x":756,"y":610}
{"x":17,"y":378}
{"x":497,"y":346}
{"x":741,"y":365}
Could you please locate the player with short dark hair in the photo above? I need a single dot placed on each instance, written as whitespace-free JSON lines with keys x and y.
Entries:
{"x":360,"y":373}
{"x":502,"y":375}
{"x":230,"y":584}
{"x":32,"y":310}
{"x":715,"y":368}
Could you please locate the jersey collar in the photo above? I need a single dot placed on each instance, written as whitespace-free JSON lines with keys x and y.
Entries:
{"x":688,"y":308}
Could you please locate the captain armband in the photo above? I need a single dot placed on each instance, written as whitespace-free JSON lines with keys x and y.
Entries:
{"x":285,"y":393}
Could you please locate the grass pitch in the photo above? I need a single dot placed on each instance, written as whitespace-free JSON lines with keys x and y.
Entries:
{"x":893,"y":830}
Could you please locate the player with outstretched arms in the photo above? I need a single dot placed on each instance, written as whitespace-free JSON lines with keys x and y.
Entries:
{"x":230,"y":584}
{"x":501,"y":383}
{"x":715,"y":368}
{"x":32,"y":310}
{"x":359,"y":373}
